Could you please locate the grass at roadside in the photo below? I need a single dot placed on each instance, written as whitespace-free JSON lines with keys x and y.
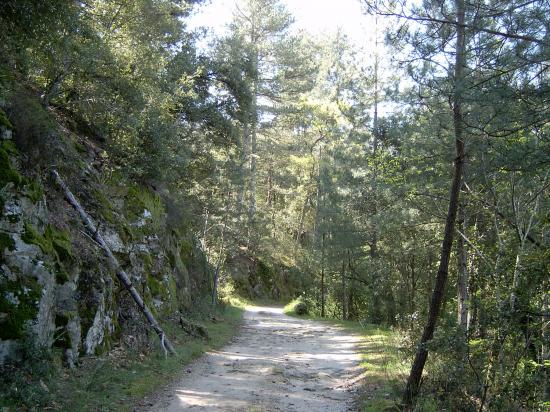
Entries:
{"x":383,"y":366}
{"x":117,"y":381}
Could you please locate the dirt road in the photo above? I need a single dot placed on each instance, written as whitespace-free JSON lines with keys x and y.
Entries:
{"x":276,"y":363}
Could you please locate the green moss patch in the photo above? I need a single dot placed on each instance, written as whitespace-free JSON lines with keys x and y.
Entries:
{"x":155,"y":286}
{"x":7,"y":173}
{"x":52,"y":242}
{"x":6,"y":242}
{"x":4,"y":121}
{"x":55,"y":243}
{"x":19,"y":304}
{"x":137,"y":201}
{"x":34,"y":191}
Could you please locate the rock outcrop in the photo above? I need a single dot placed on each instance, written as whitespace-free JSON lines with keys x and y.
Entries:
{"x":56,"y":287}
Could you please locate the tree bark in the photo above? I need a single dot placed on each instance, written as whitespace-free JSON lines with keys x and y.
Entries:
{"x":545,"y":350}
{"x":120,"y":273}
{"x":413,"y":382}
{"x":323,"y":277}
{"x":241,"y":190}
{"x":344,"y":291}
{"x":253,"y":136}
{"x":463,"y":275}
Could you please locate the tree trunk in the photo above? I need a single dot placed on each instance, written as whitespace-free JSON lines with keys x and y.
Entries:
{"x":301,"y":221}
{"x":323,"y":277}
{"x":241,"y":190}
{"x":344,"y":291}
{"x":413,"y":382}
{"x":412,"y":293}
{"x":120,"y":273}
{"x":221,"y":258}
{"x":545,"y":352}
{"x":351,"y":298}
{"x":318,"y":197}
{"x":463,"y":275}
{"x":253,"y":167}
{"x":253,"y":141}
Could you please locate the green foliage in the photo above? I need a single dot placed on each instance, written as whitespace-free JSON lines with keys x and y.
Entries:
{"x":141,"y":205}
{"x":18,"y":305}
{"x":35,"y":128}
{"x":266,"y":152}
{"x":34,"y":190}
{"x":29,"y":382}
{"x":7,"y":173}
{"x":6,"y":242}
{"x":112,"y":383}
{"x":296,"y":307}
{"x":54,"y":243}
{"x":4,"y":121}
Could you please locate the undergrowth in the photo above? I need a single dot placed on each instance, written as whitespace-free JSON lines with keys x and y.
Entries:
{"x":25,"y":385}
{"x":118,"y":380}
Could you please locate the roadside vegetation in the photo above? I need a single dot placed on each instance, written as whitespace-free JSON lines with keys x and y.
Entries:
{"x":122,"y":378}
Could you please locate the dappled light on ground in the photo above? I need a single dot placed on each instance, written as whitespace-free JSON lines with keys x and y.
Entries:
{"x":277,"y":363}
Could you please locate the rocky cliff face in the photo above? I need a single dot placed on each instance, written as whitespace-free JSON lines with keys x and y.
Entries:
{"x":56,"y":287}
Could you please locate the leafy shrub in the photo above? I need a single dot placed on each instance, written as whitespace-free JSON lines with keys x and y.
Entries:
{"x":297,"y":307}
{"x":301,"y":308}
{"x":23,"y":383}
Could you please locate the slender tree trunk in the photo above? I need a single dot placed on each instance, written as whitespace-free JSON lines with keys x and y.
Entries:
{"x":301,"y":221}
{"x":221,"y":258}
{"x":53,"y":89}
{"x":412,"y":294}
{"x":253,"y":167}
{"x":473,"y":286}
{"x":253,"y":141}
{"x":318,"y":197}
{"x":413,"y":382}
{"x":545,"y":351}
{"x":269,"y":197}
{"x":376,"y":137}
{"x":351,"y":298}
{"x":463,"y":275}
{"x":344,"y":291}
{"x":241,"y":189}
{"x":323,"y":277}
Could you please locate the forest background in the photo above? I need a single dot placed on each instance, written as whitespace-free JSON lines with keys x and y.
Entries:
{"x":302,"y":167}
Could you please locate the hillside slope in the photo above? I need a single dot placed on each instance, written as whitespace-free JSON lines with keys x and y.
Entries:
{"x":55,"y":283}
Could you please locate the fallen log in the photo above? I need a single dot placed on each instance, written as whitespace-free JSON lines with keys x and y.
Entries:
{"x":120,"y":273}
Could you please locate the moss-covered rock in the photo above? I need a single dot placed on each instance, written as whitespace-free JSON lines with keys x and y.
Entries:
{"x":32,"y":237}
{"x":7,"y":173}
{"x":34,"y":190}
{"x":54,"y":243}
{"x":155,"y":286}
{"x":6,"y":242}
{"x":18,"y":305}
{"x":4,"y":121}
{"x":145,"y":210}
